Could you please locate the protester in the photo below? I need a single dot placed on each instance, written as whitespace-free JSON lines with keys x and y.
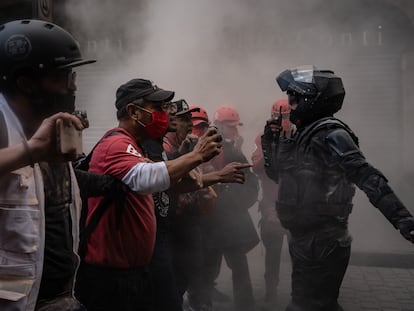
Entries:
{"x":189,"y":207}
{"x":229,"y":229}
{"x":39,"y":195}
{"x":199,"y":296}
{"x":166,"y":297}
{"x":185,"y":230}
{"x":114,"y":273}
{"x":271,"y":230}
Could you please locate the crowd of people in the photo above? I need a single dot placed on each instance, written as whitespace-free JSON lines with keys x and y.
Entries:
{"x":146,"y":218}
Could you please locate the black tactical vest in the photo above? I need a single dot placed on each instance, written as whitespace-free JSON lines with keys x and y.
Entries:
{"x":313,"y":190}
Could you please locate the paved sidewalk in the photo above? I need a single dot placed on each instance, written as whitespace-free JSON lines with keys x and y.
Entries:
{"x":364,"y":287}
{"x":377,"y":288}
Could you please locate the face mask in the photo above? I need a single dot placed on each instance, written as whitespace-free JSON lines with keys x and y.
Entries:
{"x":159,"y":124}
{"x":294,"y":117}
{"x":199,"y":130}
{"x":47,"y":103}
{"x":303,"y":113}
{"x":230,"y":132}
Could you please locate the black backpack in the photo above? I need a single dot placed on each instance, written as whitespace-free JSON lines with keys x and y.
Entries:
{"x":96,"y":185}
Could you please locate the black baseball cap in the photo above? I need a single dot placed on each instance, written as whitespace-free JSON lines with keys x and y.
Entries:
{"x":141,"y":88}
{"x":183,"y":107}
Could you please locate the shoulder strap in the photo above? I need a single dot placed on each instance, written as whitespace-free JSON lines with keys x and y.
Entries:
{"x":83,"y":163}
{"x":90,"y":227}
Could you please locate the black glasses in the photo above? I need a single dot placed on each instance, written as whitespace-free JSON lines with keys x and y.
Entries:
{"x":160,"y":106}
{"x":172,"y":108}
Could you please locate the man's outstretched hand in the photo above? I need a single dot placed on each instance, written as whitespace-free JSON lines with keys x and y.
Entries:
{"x":233,"y":172}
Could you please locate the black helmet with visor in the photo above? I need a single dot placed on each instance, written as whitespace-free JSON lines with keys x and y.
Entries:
{"x":318,"y":93}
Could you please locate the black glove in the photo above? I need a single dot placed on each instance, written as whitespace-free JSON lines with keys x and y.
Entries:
{"x":271,"y":131}
{"x":269,"y":148}
{"x":406,"y":227}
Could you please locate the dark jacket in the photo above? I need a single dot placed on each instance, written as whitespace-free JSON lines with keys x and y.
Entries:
{"x":229,"y":225}
{"x":317,"y":171}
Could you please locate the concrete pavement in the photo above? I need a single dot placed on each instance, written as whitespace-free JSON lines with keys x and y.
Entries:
{"x":389,"y":288}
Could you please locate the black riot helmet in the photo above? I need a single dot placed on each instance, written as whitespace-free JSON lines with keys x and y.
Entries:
{"x":36,"y":45}
{"x":318,"y":93}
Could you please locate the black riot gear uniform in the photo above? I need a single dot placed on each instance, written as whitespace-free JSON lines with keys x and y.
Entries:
{"x":317,"y":170}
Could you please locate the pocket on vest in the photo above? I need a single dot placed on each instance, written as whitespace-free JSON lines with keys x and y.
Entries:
{"x":19,"y":229}
{"x":14,"y":290}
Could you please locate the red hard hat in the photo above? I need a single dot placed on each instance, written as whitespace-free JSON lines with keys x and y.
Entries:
{"x":281,"y":109}
{"x":227,"y":114}
{"x":199,"y":116}
{"x":280,"y":106}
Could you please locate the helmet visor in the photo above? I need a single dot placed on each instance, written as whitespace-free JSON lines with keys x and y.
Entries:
{"x":299,"y":80}
{"x":303,"y":74}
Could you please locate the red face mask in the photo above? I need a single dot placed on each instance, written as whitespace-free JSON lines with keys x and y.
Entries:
{"x":159,"y":124}
{"x":229,"y":132}
{"x":200,"y":129}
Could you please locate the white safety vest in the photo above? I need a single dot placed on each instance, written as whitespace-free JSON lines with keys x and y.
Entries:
{"x":22,"y":225}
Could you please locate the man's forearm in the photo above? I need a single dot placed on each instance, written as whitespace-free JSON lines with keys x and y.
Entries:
{"x":179,"y":167}
{"x":211,"y":178}
{"x":13,"y":158}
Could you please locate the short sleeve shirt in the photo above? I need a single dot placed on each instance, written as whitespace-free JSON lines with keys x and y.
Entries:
{"x":121,"y":239}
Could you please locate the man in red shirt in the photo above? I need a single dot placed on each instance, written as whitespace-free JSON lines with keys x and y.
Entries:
{"x":114,"y":273}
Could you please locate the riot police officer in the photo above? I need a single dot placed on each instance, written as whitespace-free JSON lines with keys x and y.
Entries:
{"x":317,"y":170}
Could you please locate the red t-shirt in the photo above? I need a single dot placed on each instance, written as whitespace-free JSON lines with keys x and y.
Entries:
{"x":171,"y":142}
{"x":129,"y":243}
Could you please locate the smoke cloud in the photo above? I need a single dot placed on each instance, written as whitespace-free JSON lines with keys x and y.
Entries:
{"x":216,"y":53}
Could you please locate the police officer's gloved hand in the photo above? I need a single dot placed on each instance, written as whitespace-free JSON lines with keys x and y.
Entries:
{"x":406,"y":227}
{"x":271,"y":131}
{"x":269,"y":151}
{"x":267,"y":133}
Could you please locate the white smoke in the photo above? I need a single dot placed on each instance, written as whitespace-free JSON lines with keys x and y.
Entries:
{"x":216,"y":53}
